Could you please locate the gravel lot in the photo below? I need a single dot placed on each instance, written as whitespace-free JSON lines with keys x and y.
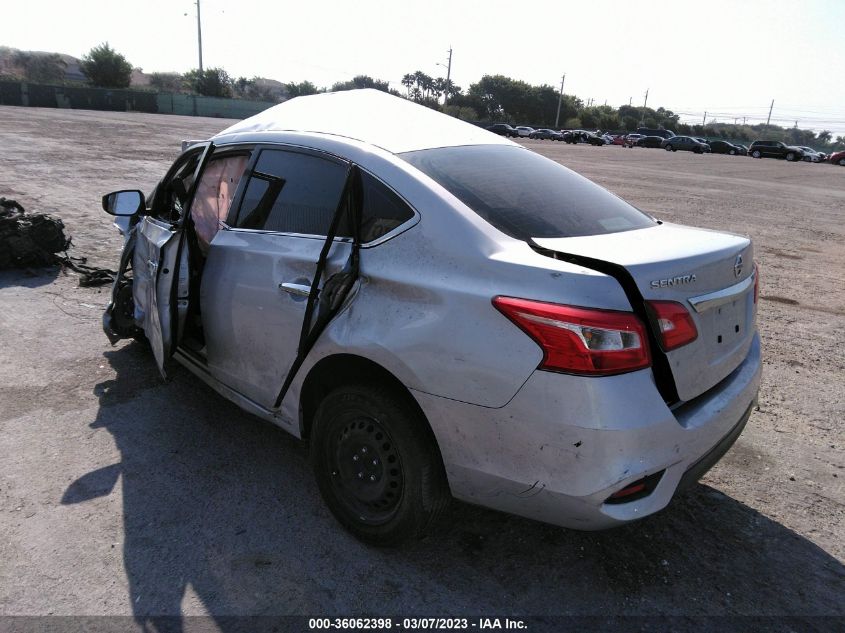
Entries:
{"x":124,"y":495}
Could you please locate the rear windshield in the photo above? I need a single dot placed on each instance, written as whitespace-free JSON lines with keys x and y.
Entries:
{"x":524,"y":194}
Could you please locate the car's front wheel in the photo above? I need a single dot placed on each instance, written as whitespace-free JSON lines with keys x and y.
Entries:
{"x":668,"y":148}
{"x":756,"y":153}
{"x":377,"y":467}
{"x":732,"y":152}
{"x":790,"y":156}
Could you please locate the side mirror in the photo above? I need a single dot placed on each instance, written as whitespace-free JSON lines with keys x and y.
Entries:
{"x":123,"y":203}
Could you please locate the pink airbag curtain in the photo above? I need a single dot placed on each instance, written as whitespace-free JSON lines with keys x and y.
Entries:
{"x":214,"y":195}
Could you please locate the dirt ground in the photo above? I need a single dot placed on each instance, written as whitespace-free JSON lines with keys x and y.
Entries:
{"x":124,"y":495}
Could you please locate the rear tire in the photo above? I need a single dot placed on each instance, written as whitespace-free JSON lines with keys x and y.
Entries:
{"x":732,"y":152}
{"x":842,"y":162}
{"x":669,"y":148}
{"x":377,"y":468}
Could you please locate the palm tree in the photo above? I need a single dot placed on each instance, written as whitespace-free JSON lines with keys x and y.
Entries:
{"x":408,"y":81}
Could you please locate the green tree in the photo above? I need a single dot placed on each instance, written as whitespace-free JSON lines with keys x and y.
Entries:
{"x":41,"y":67}
{"x":302,"y":89}
{"x":211,"y":82}
{"x":167,"y":82}
{"x":364,"y":81}
{"x":106,"y":68}
{"x":259,"y":89}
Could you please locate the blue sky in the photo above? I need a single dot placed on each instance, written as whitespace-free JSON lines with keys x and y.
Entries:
{"x":729,"y":58}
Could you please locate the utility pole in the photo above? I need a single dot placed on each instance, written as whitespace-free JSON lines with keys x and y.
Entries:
{"x":642,"y":118}
{"x":743,"y":120}
{"x":448,"y":78}
{"x":559,"y":100}
{"x":704,"y":120}
{"x":448,"y":67}
{"x":199,"y":33}
{"x":770,"y":112}
{"x":630,"y":99}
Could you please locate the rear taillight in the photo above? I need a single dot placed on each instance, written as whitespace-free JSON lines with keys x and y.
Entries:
{"x":580,"y":340}
{"x":674,"y":323}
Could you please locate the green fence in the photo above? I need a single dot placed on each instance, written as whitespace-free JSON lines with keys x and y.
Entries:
{"x":84,"y":98}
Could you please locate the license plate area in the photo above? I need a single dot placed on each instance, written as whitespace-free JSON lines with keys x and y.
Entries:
{"x":724,"y":328}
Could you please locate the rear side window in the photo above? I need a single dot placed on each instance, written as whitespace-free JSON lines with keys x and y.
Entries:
{"x":383,"y":210}
{"x":525,"y":195}
{"x":290,"y":192}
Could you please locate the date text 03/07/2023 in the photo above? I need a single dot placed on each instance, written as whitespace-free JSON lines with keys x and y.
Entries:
{"x":430,"y":624}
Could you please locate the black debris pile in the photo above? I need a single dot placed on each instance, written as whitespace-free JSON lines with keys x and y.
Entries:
{"x":31,"y":240}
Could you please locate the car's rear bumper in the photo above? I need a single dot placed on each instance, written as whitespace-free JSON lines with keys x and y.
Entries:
{"x":564,"y":444}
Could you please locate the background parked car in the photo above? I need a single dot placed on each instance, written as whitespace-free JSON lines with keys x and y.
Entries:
{"x":837,"y":158}
{"x":503,"y":129}
{"x":811,"y":155}
{"x":645,"y":131}
{"x":575,"y":136}
{"x":633,"y":139}
{"x":685,"y":143}
{"x":775,"y":149}
{"x":546,"y":134}
{"x":524,"y":130}
{"x":743,"y":149}
{"x":652,"y":142}
{"x":595,"y":139}
{"x":723,"y":147}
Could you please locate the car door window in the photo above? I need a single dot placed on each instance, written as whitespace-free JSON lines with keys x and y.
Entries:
{"x":170,"y":197}
{"x":292,"y":192}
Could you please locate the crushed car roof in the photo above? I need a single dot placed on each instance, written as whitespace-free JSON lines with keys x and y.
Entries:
{"x":371,"y":116}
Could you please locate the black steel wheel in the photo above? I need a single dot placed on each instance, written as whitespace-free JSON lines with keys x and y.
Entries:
{"x":376,"y":464}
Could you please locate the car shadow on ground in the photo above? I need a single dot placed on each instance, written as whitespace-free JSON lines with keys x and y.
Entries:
{"x":221,"y":508}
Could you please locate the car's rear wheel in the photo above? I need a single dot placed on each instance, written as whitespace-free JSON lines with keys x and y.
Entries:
{"x":790,"y":156}
{"x":732,"y":152}
{"x":756,"y":153}
{"x":842,"y":162}
{"x":377,"y":468}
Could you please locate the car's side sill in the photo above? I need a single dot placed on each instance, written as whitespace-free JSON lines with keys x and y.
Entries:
{"x":196,"y":367}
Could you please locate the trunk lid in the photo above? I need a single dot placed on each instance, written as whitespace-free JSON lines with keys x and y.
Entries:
{"x":710,"y":273}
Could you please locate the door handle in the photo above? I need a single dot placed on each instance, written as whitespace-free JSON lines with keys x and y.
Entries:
{"x":297,"y":290}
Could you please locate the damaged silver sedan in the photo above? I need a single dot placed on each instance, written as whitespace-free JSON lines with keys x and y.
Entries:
{"x":442,"y":313}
